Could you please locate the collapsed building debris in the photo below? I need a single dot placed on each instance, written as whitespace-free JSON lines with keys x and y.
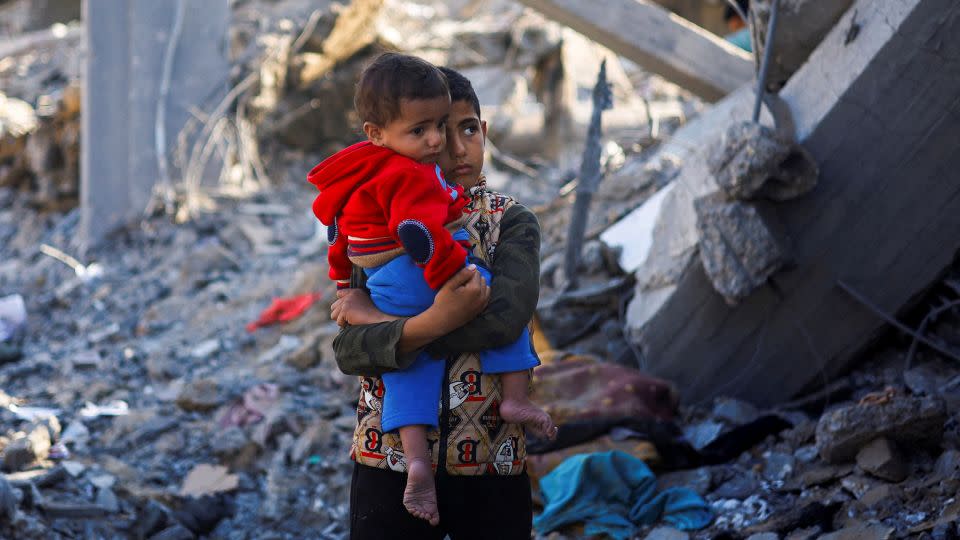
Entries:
{"x":782,"y":338}
{"x":40,"y":117}
{"x":136,"y":403}
{"x":646,"y":33}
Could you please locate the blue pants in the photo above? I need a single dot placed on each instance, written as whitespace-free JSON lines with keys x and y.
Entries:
{"x":413,"y":395}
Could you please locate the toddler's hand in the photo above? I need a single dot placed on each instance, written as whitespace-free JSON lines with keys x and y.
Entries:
{"x":353,"y":306}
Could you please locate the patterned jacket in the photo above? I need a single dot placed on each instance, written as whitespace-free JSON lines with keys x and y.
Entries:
{"x":472,"y":438}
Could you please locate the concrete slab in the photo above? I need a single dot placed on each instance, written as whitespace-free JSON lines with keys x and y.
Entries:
{"x":127,"y":41}
{"x":881,"y":116}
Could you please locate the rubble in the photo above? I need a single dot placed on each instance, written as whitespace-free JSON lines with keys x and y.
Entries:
{"x":689,"y":336}
{"x":179,"y":423}
{"x":882,"y":459}
{"x":913,"y":421}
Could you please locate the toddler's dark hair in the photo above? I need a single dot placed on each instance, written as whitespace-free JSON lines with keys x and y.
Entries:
{"x":391,"y":78}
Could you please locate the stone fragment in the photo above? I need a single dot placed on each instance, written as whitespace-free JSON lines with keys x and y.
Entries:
{"x":739,"y":246}
{"x":764,"y":536}
{"x":667,"y":533}
{"x":779,"y":467}
{"x":200,"y":396}
{"x":702,"y":434}
{"x":882,"y":459}
{"x":824,"y":474}
{"x":699,"y":480}
{"x":8,"y":501}
{"x":102,"y":480}
{"x":910,"y":421}
{"x":877,"y":494}
{"x":176,"y":532}
{"x":73,"y":510}
{"x":754,"y":161}
{"x":739,"y":487}
{"x":312,"y":440}
{"x":107,"y":499}
{"x":233,"y":447}
{"x":861,"y":532}
{"x":808,"y":533}
{"x":735,"y":411}
{"x":858,"y":485}
{"x":75,"y":468}
{"x":948,"y":464}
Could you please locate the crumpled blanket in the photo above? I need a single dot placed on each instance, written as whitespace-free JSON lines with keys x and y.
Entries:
{"x":613,"y":493}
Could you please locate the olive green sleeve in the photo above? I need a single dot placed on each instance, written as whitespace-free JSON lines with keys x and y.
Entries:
{"x":370,"y":349}
{"x":515,"y":289}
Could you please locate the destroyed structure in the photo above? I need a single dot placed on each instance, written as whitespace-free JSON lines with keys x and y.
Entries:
{"x":778,"y":299}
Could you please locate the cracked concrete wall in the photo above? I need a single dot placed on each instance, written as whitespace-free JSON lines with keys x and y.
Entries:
{"x":880,"y":115}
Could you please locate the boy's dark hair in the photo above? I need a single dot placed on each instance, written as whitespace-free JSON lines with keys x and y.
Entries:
{"x":461,"y":89}
{"x":393,"y":77}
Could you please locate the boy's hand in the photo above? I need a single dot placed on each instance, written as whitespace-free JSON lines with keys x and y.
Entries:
{"x":353,"y":306}
{"x":461,"y":299}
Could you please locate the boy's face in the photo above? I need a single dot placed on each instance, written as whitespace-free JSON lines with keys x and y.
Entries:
{"x":418,"y":132}
{"x":462,"y":162}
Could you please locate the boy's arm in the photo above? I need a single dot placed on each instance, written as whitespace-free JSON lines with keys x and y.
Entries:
{"x":390,"y":343}
{"x":515,"y":289}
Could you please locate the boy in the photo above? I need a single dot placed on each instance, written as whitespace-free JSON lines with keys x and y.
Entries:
{"x":490,"y":479}
{"x":389,"y":211}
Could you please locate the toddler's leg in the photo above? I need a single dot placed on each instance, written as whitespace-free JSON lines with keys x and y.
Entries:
{"x":410,"y":405}
{"x":517,"y":408}
{"x":420,"y":495}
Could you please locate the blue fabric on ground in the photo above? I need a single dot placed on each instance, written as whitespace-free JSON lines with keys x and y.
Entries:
{"x":412,"y":396}
{"x":613,"y":493}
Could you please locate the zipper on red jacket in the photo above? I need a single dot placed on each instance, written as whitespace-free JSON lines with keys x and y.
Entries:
{"x":444,"y":420}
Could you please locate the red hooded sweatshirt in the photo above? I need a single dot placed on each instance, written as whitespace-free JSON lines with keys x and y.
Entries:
{"x":378,"y":204}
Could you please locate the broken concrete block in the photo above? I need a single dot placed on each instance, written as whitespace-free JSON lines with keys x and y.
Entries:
{"x":754,"y":161}
{"x":737,"y":246}
{"x":881,"y":458}
{"x":910,"y":421}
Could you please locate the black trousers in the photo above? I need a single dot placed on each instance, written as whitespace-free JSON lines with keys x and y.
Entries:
{"x":471,"y":507}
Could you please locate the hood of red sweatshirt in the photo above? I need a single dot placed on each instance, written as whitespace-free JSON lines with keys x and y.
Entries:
{"x":338,"y":176}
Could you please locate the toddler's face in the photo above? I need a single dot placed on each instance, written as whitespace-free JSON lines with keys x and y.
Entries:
{"x":418,"y":132}
{"x":462,"y":162}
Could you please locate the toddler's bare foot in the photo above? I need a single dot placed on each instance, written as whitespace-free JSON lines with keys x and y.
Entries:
{"x":420,"y":495}
{"x":515,"y":411}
